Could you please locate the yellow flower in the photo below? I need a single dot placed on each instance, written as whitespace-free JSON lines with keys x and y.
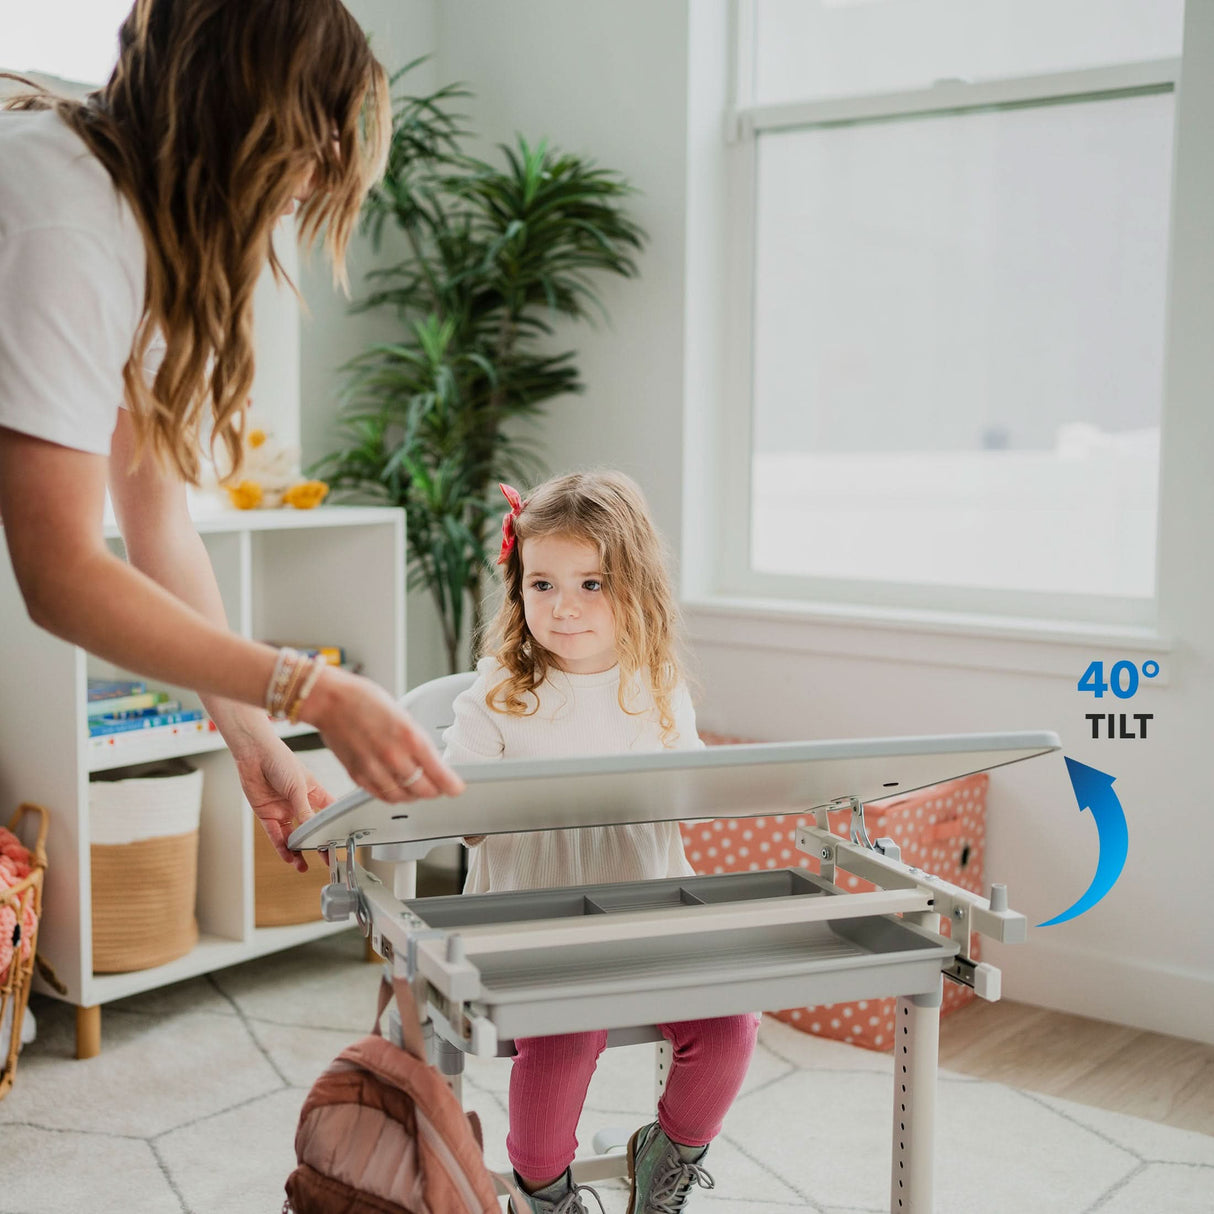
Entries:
{"x":245,"y":496}
{"x":305,"y":495}
{"x":256,"y":438}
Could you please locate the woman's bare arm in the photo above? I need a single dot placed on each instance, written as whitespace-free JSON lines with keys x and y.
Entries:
{"x":51,"y":502}
{"x":162,"y":542}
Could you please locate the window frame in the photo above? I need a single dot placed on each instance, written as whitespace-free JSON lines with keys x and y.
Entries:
{"x":745,"y":123}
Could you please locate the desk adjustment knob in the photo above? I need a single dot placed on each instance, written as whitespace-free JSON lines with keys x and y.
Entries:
{"x":888,"y":848}
{"x":337,"y":903}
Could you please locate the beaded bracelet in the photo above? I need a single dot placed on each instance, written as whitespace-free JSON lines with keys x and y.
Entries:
{"x":280,"y":678}
{"x":314,"y":669}
{"x":291,"y":683}
{"x":290,"y":695}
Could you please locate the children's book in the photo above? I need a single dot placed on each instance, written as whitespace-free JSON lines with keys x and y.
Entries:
{"x":131,"y":714}
{"x":109,"y":689}
{"x":98,"y":728}
{"x":138,"y":702}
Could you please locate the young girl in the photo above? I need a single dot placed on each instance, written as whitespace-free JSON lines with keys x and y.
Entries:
{"x":583,"y":662}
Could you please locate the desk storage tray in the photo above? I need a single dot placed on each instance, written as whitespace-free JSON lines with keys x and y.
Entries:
{"x":690,"y":975}
{"x":571,"y":902}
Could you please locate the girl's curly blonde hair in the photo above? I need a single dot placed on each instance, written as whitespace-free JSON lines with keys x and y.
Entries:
{"x":215,"y":113}
{"x":608,"y":511}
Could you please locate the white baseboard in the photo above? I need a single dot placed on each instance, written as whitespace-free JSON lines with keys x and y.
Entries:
{"x":1103,"y":986}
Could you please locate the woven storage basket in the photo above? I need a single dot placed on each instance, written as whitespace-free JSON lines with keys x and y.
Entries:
{"x":282,"y":894}
{"x":20,"y":897}
{"x":145,"y":866}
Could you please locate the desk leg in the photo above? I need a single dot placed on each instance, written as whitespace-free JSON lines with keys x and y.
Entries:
{"x":916,"y":1054}
{"x":661,"y":1069}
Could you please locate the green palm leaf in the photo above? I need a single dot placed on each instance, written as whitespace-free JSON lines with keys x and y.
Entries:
{"x":433,"y":420}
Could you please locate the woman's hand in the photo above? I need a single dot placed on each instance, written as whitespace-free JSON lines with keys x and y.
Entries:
{"x":385,"y":751}
{"x":282,"y":792}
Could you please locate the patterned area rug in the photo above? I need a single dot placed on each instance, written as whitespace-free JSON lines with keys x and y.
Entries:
{"x":190,"y":1109}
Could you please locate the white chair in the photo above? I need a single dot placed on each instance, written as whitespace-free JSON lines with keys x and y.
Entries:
{"x":430,"y":706}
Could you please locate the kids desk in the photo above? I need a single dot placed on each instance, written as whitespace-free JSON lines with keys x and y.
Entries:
{"x":491,"y":967}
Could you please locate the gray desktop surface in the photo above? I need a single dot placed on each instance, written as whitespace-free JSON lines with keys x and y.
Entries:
{"x":719,"y":782}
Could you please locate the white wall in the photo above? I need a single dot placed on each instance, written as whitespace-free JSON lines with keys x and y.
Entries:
{"x":607,"y":81}
{"x":1129,"y":959}
{"x":330,"y":334}
{"x":400,"y":30}
{"x":275,"y":391}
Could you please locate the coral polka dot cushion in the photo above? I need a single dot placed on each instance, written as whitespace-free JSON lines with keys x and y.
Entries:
{"x":940,"y":829}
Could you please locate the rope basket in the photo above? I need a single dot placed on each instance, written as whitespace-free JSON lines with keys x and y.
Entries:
{"x":144,"y":858}
{"x":20,"y":904}
{"x":282,"y":894}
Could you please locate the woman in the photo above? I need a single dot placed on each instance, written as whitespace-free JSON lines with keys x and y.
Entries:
{"x":133,"y":228}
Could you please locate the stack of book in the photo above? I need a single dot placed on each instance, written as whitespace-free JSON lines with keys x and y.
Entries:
{"x":123,"y":705}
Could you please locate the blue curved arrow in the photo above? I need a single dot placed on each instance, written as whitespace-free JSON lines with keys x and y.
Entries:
{"x":1094,"y":791}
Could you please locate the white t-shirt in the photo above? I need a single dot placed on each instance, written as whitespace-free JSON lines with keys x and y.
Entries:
{"x":578,"y":714}
{"x":72,"y":277}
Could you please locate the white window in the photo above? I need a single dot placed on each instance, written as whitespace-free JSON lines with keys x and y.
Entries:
{"x":959,"y":243}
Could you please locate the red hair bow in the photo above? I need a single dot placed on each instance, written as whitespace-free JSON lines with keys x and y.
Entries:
{"x":516,"y":508}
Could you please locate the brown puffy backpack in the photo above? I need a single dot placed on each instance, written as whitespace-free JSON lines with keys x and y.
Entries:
{"x":381,"y":1132}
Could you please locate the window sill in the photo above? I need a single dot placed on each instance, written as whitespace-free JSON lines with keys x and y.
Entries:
{"x":1002,"y":643}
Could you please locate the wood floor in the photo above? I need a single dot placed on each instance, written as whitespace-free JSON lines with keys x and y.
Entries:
{"x":1124,"y":1070}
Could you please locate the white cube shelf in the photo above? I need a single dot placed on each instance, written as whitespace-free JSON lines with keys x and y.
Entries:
{"x":334,"y":575}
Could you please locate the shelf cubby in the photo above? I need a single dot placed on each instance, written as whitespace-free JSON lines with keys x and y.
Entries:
{"x":332,"y":576}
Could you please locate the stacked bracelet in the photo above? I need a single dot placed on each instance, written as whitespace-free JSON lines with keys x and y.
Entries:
{"x":291,"y":681}
{"x":276,"y":689}
{"x":305,"y":688}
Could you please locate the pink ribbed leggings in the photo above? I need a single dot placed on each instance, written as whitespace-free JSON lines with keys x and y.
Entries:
{"x":551,"y":1075}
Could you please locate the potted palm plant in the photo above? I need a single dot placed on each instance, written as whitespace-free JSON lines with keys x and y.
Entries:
{"x":495,"y":254}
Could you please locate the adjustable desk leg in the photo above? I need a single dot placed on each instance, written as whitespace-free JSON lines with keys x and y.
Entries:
{"x":661,"y":1069}
{"x":916,"y":1054}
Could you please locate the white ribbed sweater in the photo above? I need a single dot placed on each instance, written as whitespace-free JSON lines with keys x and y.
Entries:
{"x":579,"y":714}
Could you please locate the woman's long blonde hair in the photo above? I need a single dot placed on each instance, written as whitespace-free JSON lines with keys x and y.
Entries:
{"x":608,"y":511}
{"x":215,"y":114}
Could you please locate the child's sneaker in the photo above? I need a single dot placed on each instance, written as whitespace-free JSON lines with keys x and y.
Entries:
{"x":560,"y":1197}
{"x":660,"y":1174}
